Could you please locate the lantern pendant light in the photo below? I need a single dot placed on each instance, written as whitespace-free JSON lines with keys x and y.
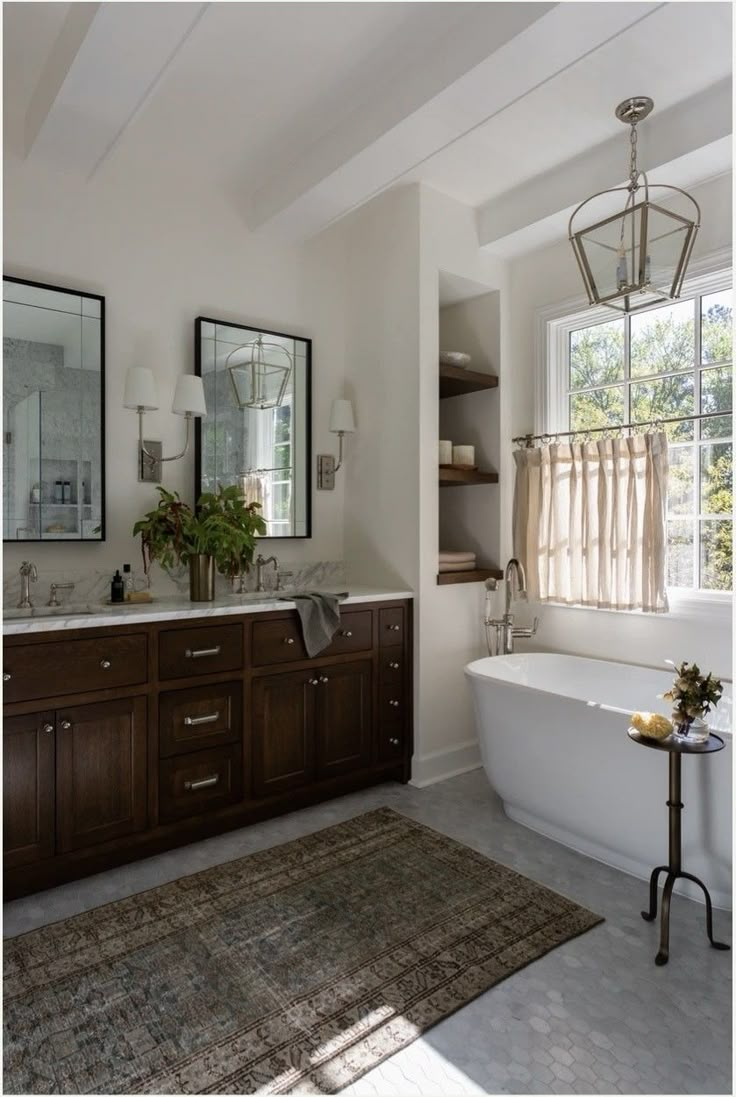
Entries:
{"x":261,"y":379}
{"x":632,"y":259}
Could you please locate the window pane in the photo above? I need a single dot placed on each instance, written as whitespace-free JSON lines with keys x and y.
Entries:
{"x":663,"y":340}
{"x":664,"y":399}
{"x":715,"y":395}
{"x":716,"y":330}
{"x":597,"y":355}
{"x":601,"y":408}
{"x":680,"y":489}
{"x":716,"y":469}
{"x":715,"y":554}
{"x":680,"y":553}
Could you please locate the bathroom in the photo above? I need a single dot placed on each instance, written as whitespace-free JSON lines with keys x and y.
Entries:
{"x":402,"y":190}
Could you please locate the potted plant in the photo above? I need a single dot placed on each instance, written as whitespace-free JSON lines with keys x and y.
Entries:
{"x":694,"y":694}
{"x":221,"y":533}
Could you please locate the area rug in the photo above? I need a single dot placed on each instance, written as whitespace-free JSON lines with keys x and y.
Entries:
{"x":296,"y":968}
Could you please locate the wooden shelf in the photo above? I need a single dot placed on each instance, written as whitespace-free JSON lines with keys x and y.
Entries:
{"x":453,"y":478}
{"x":445,"y":578}
{"x":457,"y":382}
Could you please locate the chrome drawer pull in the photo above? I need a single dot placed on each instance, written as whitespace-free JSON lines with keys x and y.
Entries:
{"x":394,"y":742}
{"x":394,"y":628}
{"x":314,"y":681}
{"x":195,"y":721}
{"x":288,"y":639}
{"x":105,"y":664}
{"x":197,"y":653}
{"x":6,"y":677}
{"x":346,"y":632}
{"x":324,"y":679}
{"x":204,"y":782}
{"x":48,"y":728}
{"x":65,"y":724}
{"x":394,"y":704}
{"x":394,"y":666}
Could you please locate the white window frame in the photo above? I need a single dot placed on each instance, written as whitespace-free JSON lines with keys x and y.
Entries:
{"x":551,"y":410}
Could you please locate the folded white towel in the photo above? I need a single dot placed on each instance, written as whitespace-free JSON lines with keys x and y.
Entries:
{"x":468,"y":566}
{"x":456,"y":557}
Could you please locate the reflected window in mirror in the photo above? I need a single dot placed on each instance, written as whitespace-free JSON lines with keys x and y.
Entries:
{"x":53,"y":413}
{"x":257,"y":431}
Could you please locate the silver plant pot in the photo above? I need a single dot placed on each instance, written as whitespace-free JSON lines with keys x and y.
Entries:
{"x":201,"y":578}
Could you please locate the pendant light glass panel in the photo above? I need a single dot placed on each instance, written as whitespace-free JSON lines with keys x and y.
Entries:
{"x":260,"y":378}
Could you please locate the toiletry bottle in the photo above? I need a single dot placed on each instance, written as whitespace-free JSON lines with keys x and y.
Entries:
{"x":58,"y":491}
{"x":127,"y":581}
{"x":67,"y":491}
{"x":117,"y":588}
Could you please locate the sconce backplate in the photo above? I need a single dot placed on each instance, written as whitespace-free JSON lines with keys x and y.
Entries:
{"x":325,"y":472}
{"x":149,"y":472}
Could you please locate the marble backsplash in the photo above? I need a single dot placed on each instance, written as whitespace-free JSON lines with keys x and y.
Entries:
{"x":93,"y":586}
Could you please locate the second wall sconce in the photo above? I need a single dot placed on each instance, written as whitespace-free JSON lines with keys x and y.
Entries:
{"x":140,"y":395}
{"x":342,"y":422}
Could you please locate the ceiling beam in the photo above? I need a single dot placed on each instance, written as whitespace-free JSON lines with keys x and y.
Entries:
{"x":702,"y":124}
{"x":498,"y":54}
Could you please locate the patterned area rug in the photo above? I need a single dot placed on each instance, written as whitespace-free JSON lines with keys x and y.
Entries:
{"x":297,"y":968}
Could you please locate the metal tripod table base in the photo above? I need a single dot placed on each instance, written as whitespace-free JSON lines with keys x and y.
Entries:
{"x":674,"y":870}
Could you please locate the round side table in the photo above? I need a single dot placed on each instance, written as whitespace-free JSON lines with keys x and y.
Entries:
{"x":676,"y":748}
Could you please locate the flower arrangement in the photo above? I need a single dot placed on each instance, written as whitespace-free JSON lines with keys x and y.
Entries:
{"x":693,"y":694}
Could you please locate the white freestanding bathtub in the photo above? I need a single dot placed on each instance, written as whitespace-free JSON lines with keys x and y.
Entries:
{"x":553,"y":740}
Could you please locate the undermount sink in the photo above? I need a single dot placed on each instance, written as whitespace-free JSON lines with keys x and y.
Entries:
{"x":15,"y":613}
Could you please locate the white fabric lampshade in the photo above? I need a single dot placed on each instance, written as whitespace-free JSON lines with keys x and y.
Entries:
{"x":189,"y":396}
{"x":140,"y":389}
{"x":341,"y":417}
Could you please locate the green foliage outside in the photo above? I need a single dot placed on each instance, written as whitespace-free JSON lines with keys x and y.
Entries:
{"x":663,"y":343}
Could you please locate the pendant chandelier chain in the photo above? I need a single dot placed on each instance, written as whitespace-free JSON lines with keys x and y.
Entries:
{"x":634,"y":137}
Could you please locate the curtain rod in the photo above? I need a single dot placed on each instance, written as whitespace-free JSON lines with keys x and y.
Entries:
{"x":527,"y":439}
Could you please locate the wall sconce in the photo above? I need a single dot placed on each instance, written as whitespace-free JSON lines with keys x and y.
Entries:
{"x":140,"y":395}
{"x":342,"y":422}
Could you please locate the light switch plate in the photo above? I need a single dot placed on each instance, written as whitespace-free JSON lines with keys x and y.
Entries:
{"x":149,"y":472}
{"x":325,"y":472}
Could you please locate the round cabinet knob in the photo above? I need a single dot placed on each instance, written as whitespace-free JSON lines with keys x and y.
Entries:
{"x":394,"y":628}
{"x":289,"y":640}
{"x":314,"y":681}
{"x":48,"y":728}
{"x":394,"y":742}
{"x":6,"y":677}
{"x":394,"y":666}
{"x":65,"y":724}
{"x":394,"y":704}
{"x":347,"y":632}
{"x":324,"y":679}
{"x":105,"y":664}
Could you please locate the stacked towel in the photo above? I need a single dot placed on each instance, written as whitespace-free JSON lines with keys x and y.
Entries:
{"x":456,"y":561}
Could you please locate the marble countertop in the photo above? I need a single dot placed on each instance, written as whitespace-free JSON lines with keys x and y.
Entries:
{"x":170,"y":608}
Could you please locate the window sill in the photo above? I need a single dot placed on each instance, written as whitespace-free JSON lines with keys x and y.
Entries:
{"x":715,"y":607}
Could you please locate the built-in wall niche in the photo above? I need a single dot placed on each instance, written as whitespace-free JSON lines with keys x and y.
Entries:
{"x":53,"y":408}
{"x":469,"y":518}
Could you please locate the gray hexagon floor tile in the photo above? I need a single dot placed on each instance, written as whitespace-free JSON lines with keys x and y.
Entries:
{"x":594,"y":1016}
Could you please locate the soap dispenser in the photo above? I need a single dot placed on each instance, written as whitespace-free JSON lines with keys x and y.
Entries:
{"x":117,"y":588}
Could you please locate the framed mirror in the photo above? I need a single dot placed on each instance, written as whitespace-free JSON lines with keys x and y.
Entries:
{"x":53,"y":412}
{"x":257,"y":431}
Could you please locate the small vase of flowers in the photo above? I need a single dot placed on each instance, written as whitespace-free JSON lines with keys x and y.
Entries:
{"x":693,"y":695}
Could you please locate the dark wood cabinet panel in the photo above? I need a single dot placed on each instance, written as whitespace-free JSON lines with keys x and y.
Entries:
{"x":277,"y":641}
{"x":283,"y":739}
{"x":391,"y":627}
{"x":53,"y":669}
{"x":343,"y":718}
{"x":101,"y":772}
{"x":208,"y":649}
{"x":204,"y":781}
{"x":199,"y":718}
{"x":28,"y":788}
{"x":355,"y":633}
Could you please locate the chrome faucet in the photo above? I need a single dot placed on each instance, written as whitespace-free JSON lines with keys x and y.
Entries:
{"x":503,"y":630}
{"x":28,"y":574}
{"x":261,"y":563}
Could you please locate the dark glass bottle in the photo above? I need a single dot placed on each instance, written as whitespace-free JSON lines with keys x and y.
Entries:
{"x":117,"y":588}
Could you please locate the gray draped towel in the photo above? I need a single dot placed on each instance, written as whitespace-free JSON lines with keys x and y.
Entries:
{"x":319,"y":615}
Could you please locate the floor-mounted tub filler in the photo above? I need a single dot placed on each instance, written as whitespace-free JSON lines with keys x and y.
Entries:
{"x":554,"y":744}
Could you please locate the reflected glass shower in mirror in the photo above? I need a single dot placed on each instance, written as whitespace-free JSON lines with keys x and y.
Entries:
{"x":256,"y":433}
{"x":53,"y":411}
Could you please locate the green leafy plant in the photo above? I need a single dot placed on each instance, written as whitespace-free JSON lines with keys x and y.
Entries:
{"x":222,"y":526}
{"x":692,"y":693}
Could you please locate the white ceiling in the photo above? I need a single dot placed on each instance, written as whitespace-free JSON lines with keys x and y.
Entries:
{"x":299,"y":112}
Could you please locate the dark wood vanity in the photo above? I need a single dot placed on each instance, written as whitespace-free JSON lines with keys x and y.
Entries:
{"x":123,"y":741}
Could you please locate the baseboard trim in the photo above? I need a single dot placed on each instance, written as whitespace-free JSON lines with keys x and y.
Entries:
{"x":440,"y":765}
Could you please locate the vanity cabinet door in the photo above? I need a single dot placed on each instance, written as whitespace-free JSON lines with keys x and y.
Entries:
{"x":283,"y":731}
{"x":343,"y":723}
{"x":101,"y":772}
{"x":28,"y":788}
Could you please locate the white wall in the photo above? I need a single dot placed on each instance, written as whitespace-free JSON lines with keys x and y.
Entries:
{"x":544,"y":279}
{"x":163,"y":254}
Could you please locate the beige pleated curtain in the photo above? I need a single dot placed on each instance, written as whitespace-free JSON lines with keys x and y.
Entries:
{"x":589,"y":522}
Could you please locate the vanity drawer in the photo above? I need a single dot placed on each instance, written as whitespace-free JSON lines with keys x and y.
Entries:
{"x":392,"y":666}
{"x":391,"y":627}
{"x":194,"y":719}
{"x":31,"y":671}
{"x":183,"y":653}
{"x":391,"y":703}
{"x":281,"y":641}
{"x":391,"y":743}
{"x":190,"y":784}
{"x":354,"y":633}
